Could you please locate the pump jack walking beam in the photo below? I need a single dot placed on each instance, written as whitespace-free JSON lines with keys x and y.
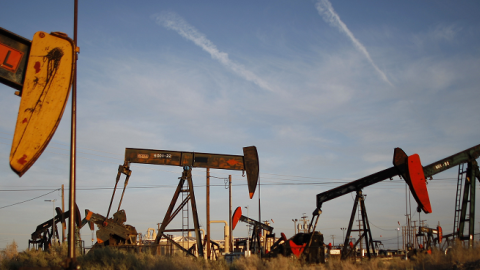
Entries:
{"x":402,"y":166}
{"x":248,"y":162}
{"x":407,"y":166}
{"x":464,"y":156}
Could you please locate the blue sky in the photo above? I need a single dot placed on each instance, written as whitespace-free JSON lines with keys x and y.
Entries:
{"x":325,"y":90}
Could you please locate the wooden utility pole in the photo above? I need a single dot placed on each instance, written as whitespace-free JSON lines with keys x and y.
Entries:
{"x":71,"y":259}
{"x":208,"y":213}
{"x":230,"y":232}
{"x":63,"y":210}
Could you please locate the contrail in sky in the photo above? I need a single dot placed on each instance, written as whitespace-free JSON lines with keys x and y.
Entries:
{"x":173,"y":21}
{"x":326,"y":10}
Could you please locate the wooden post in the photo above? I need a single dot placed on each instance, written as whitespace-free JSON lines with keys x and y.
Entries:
{"x":230,"y":236}
{"x":63,"y":210}
{"x":71,"y":259}
{"x":208,"y":213}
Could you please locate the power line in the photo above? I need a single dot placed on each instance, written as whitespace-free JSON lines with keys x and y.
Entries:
{"x":336,"y":181}
{"x":275,"y":180}
{"x":30,"y":199}
{"x":381,"y":228}
{"x":171,"y":186}
{"x":120,"y":159}
{"x":197,"y":186}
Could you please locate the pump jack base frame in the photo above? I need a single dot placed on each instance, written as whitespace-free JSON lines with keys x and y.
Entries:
{"x":367,"y":234}
{"x":170,"y":215}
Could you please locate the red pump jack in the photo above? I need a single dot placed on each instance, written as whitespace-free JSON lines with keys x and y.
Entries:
{"x":408,"y":167}
{"x":255,"y":242}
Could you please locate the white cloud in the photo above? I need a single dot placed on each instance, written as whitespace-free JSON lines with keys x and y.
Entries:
{"x":174,"y":22}
{"x":325,"y":9}
{"x":445,"y":32}
{"x":442,"y":33}
{"x":375,"y":158}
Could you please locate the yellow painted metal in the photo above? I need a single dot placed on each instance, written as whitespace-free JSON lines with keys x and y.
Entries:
{"x":44,"y":95}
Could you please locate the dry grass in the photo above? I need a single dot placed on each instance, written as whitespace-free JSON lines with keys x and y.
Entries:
{"x":9,"y":252}
{"x":10,"y":258}
{"x":109,"y":258}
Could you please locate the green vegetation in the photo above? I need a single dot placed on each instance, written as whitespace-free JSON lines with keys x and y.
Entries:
{"x":109,"y":258}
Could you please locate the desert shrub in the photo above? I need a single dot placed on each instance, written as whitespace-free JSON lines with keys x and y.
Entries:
{"x":53,"y":258}
{"x":458,"y":257}
{"x":110,"y":258}
{"x":115,"y":259}
{"x":9,"y":252}
{"x":182,"y":262}
{"x":248,"y":263}
{"x":283,"y":263}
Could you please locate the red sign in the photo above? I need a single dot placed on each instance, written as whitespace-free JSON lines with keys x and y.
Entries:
{"x":9,"y":58}
{"x":14,"y":52}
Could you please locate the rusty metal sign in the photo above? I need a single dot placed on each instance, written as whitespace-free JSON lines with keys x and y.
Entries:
{"x":14,"y":51}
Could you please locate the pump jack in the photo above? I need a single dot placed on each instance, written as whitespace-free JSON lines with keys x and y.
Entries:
{"x":255,"y":242}
{"x":431,"y":235}
{"x":414,"y":174}
{"x":408,"y":167}
{"x":111,"y":231}
{"x":42,"y":236}
{"x":309,"y":245}
{"x":468,"y":157}
{"x":188,"y":160}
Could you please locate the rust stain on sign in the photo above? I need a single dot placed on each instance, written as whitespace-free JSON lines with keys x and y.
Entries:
{"x":37,"y":67}
{"x":22,"y":160}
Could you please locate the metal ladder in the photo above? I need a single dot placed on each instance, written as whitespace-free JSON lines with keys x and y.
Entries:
{"x":458,"y":199}
{"x":365,"y":234}
{"x":185,"y":215}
